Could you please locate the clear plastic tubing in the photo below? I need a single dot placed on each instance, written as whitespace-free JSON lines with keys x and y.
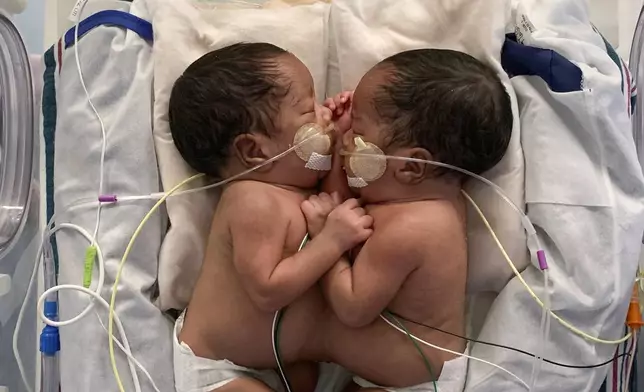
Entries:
{"x":49,"y":337}
{"x":50,"y":373}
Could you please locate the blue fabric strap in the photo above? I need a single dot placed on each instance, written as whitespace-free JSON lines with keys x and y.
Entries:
{"x":49,"y":136}
{"x":111,"y":18}
{"x":561,"y":75}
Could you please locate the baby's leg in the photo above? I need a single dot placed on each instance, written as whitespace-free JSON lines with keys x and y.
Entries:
{"x":244,"y":385}
{"x":352,"y":387}
{"x":303,"y":376}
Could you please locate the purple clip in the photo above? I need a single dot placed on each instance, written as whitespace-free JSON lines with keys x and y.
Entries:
{"x":107,"y":198}
{"x":541,"y":256}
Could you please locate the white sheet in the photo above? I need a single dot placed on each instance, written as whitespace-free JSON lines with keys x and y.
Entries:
{"x":590,"y":231}
{"x":117,"y":68}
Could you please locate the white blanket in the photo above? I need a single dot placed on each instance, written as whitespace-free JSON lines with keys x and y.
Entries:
{"x":584,"y":192}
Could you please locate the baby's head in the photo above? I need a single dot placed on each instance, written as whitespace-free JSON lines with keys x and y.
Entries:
{"x":429,"y":104}
{"x":236,"y":107}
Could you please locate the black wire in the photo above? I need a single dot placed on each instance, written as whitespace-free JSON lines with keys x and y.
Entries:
{"x":512,"y":348}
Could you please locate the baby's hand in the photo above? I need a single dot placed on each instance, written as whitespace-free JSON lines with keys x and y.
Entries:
{"x":340,"y":106}
{"x":316,"y":209}
{"x":348,"y":225}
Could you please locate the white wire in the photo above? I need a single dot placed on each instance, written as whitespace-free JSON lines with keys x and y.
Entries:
{"x":21,"y":315}
{"x":631,"y":359}
{"x":90,"y":306}
{"x":159,"y":195}
{"x":101,"y":273}
{"x":537,"y":363}
{"x":524,"y":219}
{"x":419,"y":340}
{"x":46,"y":234}
{"x":98,"y":117}
{"x":119,"y":326}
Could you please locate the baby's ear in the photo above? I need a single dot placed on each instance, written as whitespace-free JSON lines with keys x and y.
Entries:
{"x":413,"y":173}
{"x":252,"y":149}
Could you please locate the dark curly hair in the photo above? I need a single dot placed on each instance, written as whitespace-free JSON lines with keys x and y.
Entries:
{"x":225,"y":93}
{"x":449,"y":103}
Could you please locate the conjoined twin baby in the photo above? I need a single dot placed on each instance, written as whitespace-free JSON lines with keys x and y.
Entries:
{"x":387,"y":237}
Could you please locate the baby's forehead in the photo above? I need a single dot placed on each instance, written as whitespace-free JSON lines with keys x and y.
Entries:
{"x":370,"y":84}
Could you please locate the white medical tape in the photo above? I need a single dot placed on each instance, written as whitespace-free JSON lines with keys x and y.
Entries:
{"x":356,"y":182}
{"x":319,"y":162}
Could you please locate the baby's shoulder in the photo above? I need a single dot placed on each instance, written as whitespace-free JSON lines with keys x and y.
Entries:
{"x":250,"y":199}
{"x":419,"y":225}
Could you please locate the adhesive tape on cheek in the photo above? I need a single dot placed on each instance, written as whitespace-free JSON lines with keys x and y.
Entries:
{"x":371,"y":165}
{"x":319,"y":162}
{"x":356,"y":182}
{"x":313,"y":140}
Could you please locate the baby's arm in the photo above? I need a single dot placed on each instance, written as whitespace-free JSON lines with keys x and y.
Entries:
{"x":258,"y":236}
{"x":358,"y":294}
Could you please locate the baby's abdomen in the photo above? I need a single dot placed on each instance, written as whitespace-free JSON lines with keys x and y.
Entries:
{"x":223,"y":323}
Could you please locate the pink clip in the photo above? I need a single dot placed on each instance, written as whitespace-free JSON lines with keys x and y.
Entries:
{"x":541,"y":256}
{"x":107,"y":198}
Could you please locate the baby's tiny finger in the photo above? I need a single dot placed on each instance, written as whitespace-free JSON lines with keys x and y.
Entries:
{"x":326,"y":198}
{"x":336,"y":198}
{"x":350,"y":203}
{"x":329,"y":103}
{"x":306,"y":206}
{"x":366,"y":221}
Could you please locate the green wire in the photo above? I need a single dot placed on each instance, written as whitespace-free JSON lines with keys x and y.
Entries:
{"x":420,"y":351}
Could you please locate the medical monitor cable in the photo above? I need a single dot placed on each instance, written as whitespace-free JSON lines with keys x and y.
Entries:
{"x":419,"y":340}
{"x":47,"y":233}
{"x":517,"y":350}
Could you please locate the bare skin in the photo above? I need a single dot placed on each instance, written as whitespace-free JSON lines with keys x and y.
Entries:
{"x":414,"y":264}
{"x":252,"y":267}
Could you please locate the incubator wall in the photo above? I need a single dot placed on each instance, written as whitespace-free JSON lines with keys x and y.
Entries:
{"x":616,"y":20}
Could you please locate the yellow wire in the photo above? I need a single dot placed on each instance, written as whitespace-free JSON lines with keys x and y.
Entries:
{"x":128,"y":249}
{"x":518,"y":275}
